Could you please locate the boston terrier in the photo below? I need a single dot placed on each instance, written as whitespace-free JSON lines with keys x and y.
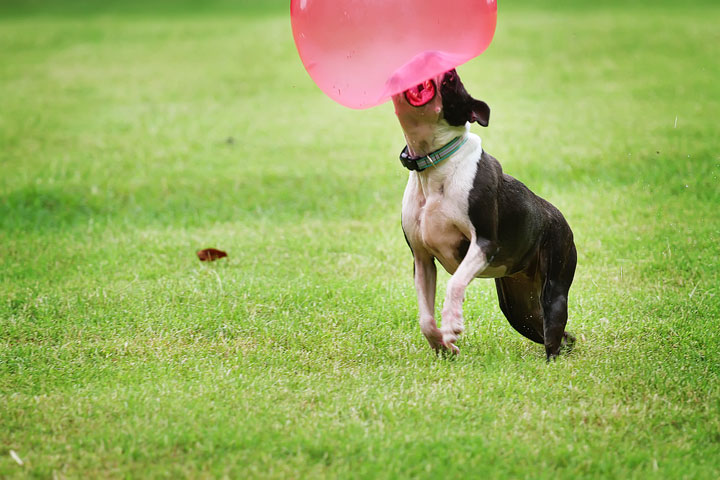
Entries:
{"x":460,"y":209}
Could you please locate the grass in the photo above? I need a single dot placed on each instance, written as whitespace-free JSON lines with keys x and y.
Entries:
{"x":130,"y":138}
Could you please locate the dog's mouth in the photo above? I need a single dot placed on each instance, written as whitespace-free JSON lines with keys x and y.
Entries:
{"x":419,"y":95}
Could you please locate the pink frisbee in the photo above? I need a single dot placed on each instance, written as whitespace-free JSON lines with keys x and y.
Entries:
{"x":361,"y":52}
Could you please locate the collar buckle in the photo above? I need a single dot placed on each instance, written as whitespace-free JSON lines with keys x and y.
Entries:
{"x":407,"y":161}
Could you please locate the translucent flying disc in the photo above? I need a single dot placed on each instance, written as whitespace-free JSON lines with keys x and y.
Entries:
{"x":361,"y":52}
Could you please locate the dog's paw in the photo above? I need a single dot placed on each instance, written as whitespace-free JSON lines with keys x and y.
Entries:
{"x":442,"y":345}
{"x":434,"y":338}
{"x":448,"y":342}
{"x":452,"y":348}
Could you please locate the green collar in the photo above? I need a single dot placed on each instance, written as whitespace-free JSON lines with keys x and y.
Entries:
{"x":431,"y":159}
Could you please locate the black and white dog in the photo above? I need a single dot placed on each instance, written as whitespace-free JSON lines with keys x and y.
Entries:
{"x":461,"y":209}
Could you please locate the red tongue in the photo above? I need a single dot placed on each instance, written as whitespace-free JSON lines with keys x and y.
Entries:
{"x":420,"y":94}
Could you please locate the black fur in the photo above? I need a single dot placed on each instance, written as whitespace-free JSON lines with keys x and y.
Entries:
{"x":458,"y":106}
{"x":521,"y":230}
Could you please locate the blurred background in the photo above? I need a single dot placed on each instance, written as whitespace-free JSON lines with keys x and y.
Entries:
{"x":133,"y":133}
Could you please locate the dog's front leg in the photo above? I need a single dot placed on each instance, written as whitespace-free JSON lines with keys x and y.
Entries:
{"x":475,"y":261}
{"x":425,"y":278}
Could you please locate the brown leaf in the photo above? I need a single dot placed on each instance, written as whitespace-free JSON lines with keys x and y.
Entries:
{"x":210,"y":254}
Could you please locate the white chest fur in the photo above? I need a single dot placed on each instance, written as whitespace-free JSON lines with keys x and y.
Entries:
{"x":435,"y":205}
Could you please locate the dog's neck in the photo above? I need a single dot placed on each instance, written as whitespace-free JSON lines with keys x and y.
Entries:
{"x":423,"y":138}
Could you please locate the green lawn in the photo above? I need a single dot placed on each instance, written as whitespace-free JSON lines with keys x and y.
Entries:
{"x":134,"y":133}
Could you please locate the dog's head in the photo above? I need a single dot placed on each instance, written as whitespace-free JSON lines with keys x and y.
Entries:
{"x":437,"y":108}
{"x":442,"y":98}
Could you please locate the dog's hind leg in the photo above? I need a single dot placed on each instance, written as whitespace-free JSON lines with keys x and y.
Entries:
{"x":560,"y":273}
{"x":519,"y":298}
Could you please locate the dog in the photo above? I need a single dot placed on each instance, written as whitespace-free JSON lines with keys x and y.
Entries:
{"x":460,"y":209}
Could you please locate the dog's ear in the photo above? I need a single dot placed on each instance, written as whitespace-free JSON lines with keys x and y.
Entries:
{"x":458,"y":106}
{"x":480,"y":113}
